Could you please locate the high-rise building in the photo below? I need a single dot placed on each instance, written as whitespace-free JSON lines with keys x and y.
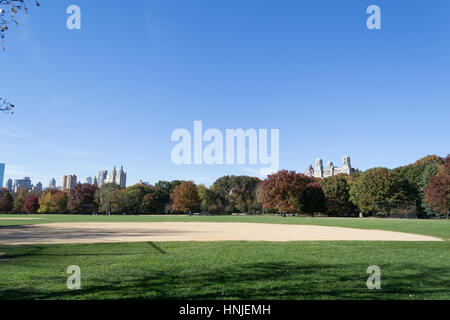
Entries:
{"x":89,"y":180}
{"x":102,"y":175}
{"x":95,"y":182}
{"x":2,"y":174}
{"x":69,"y":182}
{"x":10,"y":185}
{"x":52,"y":184}
{"x":37,"y":187}
{"x":22,"y":183}
{"x":117,"y":178}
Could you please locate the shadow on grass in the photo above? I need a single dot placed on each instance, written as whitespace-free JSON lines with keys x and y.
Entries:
{"x":270,"y":280}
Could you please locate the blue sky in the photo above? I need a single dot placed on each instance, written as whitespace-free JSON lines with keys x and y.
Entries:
{"x":113,"y":92}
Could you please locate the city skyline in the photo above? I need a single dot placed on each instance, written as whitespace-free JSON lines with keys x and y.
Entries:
{"x":68,"y":182}
{"x":313,"y":70}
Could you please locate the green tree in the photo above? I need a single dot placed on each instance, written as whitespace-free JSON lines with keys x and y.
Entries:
{"x":162,"y":192}
{"x":131,"y":198}
{"x":107,"y":198}
{"x":6,"y":201}
{"x":374,"y":186}
{"x":337,"y":192}
{"x":312,"y":199}
{"x":414,"y":179}
{"x":235,"y":193}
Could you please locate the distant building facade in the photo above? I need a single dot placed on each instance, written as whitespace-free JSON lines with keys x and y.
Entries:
{"x":10,"y":185}
{"x":69,"y":182}
{"x":119,"y":178}
{"x":330,"y":170}
{"x":102,"y":175}
{"x":2,"y":174}
{"x":22,"y":183}
{"x":89,"y":180}
{"x":52,"y":184}
{"x":143,"y":183}
{"x":37,"y":187}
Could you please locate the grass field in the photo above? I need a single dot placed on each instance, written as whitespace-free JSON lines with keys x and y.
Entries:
{"x":232,"y":270}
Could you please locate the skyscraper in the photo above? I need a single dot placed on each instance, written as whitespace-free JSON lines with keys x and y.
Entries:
{"x":22,"y":183}
{"x":117,"y":178}
{"x":102,"y":175}
{"x":89,"y":180}
{"x":9,"y":185}
{"x":37,"y":187}
{"x":69,"y":182}
{"x":2,"y":174}
{"x":52,"y":184}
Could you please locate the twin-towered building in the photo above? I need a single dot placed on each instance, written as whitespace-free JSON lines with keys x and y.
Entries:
{"x":330,"y":170}
{"x":119,"y":178}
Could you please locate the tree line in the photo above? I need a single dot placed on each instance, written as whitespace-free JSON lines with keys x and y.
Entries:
{"x":423,"y":185}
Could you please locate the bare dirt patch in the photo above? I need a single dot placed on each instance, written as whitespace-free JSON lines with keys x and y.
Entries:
{"x":190,"y":231}
{"x":21,"y":218}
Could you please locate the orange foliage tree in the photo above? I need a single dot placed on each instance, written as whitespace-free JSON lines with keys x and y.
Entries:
{"x":185,"y":197}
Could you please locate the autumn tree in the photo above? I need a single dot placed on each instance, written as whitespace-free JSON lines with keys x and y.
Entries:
{"x":9,"y":9}
{"x":374,"y":186}
{"x":185,"y":197}
{"x":53,"y":201}
{"x":437,"y":192}
{"x":149,"y":204}
{"x":31,"y":205}
{"x":6,"y":201}
{"x":283,"y":191}
{"x":81,"y":198}
{"x":337,"y":192}
{"x":19,"y":200}
{"x":162,"y":192}
{"x":414,"y":178}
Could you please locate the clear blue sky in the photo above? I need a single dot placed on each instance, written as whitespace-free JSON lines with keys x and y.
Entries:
{"x":113,"y":92}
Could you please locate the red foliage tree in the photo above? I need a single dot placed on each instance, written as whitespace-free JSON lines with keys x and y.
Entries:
{"x":81,"y":198}
{"x":283,"y":191}
{"x":437,"y":193}
{"x":31,"y":205}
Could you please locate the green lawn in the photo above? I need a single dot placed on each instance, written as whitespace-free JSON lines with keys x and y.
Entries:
{"x":232,"y":270}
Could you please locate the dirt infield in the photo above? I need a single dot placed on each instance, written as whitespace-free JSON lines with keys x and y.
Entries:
{"x":21,"y":218}
{"x":190,"y":231}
